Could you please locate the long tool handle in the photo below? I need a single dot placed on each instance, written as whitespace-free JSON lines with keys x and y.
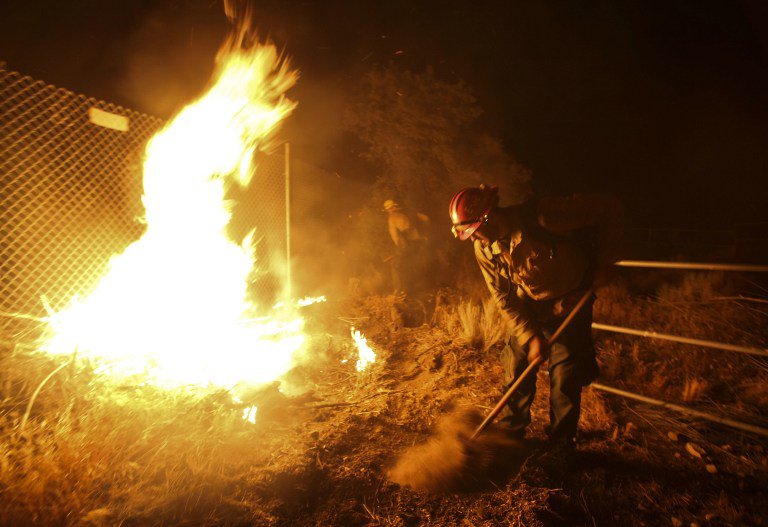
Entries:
{"x":531,"y":366}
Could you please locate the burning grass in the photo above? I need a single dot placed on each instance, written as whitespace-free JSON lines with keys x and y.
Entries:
{"x":93,"y":449}
{"x":100,"y":453}
{"x":97,"y":451}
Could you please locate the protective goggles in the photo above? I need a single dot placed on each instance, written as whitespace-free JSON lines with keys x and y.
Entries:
{"x":463,"y":230}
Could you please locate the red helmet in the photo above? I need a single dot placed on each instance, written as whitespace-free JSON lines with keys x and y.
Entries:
{"x":470,"y":208}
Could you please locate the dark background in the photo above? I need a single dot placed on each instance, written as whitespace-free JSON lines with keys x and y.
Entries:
{"x":664,"y":103}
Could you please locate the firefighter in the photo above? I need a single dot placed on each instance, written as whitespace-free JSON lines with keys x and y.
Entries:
{"x":409,"y":245}
{"x":538,"y":259}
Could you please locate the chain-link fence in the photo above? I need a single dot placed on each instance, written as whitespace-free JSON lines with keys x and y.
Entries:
{"x":70,"y":195}
{"x":261,"y":207}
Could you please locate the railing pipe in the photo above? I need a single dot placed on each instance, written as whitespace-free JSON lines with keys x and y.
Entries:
{"x":739,"y":425}
{"x":694,"y":266}
{"x":684,"y":340}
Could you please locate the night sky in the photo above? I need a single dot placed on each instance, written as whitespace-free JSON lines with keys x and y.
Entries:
{"x":664,"y":103}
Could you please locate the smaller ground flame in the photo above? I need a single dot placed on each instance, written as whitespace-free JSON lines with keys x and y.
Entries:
{"x":365,"y":353}
{"x":249,"y":414}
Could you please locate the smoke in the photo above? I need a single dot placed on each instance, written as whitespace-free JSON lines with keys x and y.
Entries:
{"x":325,"y":210}
{"x":169,"y":58}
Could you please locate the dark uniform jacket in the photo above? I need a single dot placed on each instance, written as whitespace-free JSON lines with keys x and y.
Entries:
{"x":557,"y":244}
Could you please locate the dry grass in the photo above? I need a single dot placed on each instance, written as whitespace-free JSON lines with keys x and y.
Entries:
{"x":596,"y":416}
{"x":480,"y":326}
{"x":754,"y":392}
{"x":94,"y":452}
{"x":694,"y":389}
{"x":97,"y":453}
{"x":697,"y":305}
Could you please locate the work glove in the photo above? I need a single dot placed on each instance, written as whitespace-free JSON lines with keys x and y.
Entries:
{"x":537,"y":347}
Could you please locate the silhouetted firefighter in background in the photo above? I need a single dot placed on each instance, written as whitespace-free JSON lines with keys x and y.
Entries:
{"x":538,"y":259}
{"x":409,"y":247}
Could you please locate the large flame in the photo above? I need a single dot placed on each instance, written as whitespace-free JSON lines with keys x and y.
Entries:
{"x":174,"y":307}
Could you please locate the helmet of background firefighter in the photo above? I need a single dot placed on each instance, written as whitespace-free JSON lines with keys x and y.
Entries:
{"x":470,"y":207}
{"x":391,"y":205}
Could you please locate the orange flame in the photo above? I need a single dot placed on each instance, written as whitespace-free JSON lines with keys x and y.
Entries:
{"x":365,"y":353}
{"x":173,"y":307}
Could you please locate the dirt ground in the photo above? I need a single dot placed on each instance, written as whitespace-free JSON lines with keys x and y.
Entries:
{"x":633,"y":465}
{"x":319,"y":455}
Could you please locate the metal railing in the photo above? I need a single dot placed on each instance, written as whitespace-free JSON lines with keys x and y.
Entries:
{"x":739,"y":425}
{"x":693,"y":266}
{"x":685,"y":340}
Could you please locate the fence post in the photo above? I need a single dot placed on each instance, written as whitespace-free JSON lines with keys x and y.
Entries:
{"x":288,"y":278}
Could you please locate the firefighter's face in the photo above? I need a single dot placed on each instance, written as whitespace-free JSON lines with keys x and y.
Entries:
{"x":487,"y":232}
